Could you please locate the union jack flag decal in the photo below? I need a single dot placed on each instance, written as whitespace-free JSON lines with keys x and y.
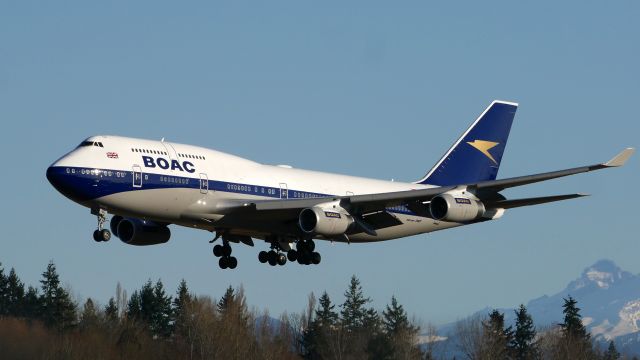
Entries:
{"x":112,"y":155}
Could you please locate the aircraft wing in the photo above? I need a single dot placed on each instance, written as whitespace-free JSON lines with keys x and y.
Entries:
{"x":376,"y":202}
{"x":369,"y":209}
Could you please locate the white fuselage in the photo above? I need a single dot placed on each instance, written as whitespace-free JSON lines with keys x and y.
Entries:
{"x":168,"y":182}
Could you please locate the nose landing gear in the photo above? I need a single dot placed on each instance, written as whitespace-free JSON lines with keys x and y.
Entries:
{"x":101,"y":234}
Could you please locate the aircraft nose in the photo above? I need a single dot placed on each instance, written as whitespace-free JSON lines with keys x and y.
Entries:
{"x":56,"y":178}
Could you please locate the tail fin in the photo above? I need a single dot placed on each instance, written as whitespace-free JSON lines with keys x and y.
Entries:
{"x":476,"y":156}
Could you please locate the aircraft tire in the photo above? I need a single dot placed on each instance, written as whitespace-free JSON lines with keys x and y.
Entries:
{"x":316,"y":258}
{"x":292,"y":255}
{"x":263,"y":256}
{"x":223,"y":263}
{"x":232,"y":262}
{"x":226,"y":250}
{"x":282,"y":259}
{"x":105,"y":235}
{"x":217,"y":250}
{"x":96,"y":236}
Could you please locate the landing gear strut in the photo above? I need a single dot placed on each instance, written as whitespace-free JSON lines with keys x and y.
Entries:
{"x":101,"y":234}
{"x":224,"y":253}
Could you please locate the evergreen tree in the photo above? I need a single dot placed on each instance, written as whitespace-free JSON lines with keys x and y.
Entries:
{"x":353,"y":311}
{"x":111,"y":311}
{"x":180,"y":303}
{"x":325,"y":314}
{"x":316,"y":337}
{"x":523,"y":342}
{"x":399,"y":333}
{"x":4,"y":293}
{"x":575,"y":340}
{"x":496,"y":338}
{"x":58,"y":310}
{"x":15,"y":294}
{"x":226,"y":301}
{"x":89,"y":317}
{"x":611,"y":353}
{"x":161,"y":315}
{"x":134,"y":307}
{"x":32,"y":304}
{"x":151,"y":306}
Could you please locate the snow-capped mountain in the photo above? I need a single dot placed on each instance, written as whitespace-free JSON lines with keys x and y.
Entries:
{"x":609,"y":299}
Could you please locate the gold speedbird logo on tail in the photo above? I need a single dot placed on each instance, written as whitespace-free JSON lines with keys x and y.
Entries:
{"x":484,"y":146}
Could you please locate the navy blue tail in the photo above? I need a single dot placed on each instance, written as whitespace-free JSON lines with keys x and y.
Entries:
{"x":476,"y":156}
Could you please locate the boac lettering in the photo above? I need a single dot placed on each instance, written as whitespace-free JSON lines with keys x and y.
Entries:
{"x":164,"y":164}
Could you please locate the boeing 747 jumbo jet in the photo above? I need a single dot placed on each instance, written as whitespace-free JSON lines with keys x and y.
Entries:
{"x":148,"y":185}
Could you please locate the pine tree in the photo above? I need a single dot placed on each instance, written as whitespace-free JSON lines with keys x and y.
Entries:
{"x":161,"y":315}
{"x":611,"y":353}
{"x":575,"y":340}
{"x":134,"y":307}
{"x":32,"y":304}
{"x":15,"y":292}
{"x":89,"y":317}
{"x":181,"y":302}
{"x":496,"y":338}
{"x":4,"y":293}
{"x":399,"y":332}
{"x":315,"y":339}
{"x":523,"y":342}
{"x":58,"y":310}
{"x":226,"y":301}
{"x":353,"y":311}
{"x":111,"y":311}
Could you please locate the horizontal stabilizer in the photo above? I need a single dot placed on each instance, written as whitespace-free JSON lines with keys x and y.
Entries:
{"x":514,"y":203}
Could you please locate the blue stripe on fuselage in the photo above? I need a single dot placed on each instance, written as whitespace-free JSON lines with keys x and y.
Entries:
{"x":85,"y":184}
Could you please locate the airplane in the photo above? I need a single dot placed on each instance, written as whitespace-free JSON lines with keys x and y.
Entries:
{"x":148,"y":185}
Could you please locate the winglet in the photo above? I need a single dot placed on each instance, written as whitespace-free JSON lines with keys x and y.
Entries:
{"x":621,"y":158}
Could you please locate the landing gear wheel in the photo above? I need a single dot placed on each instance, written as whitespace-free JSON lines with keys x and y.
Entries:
{"x":315,"y":258}
{"x":217,"y":250}
{"x":232,"y":262}
{"x":263,"y":256}
{"x":292,"y":255}
{"x":273,"y":258}
{"x":105,"y":235}
{"x":223,"y":263}
{"x":226,"y":250}
{"x":282,"y":259}
{"x":310,"y":245}
{"x":96,"y":236}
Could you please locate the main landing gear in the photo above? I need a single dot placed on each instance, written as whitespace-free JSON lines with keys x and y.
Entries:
{"x":224,"y":253}
{"x":304,"y":254}
{"x":101,"y":234}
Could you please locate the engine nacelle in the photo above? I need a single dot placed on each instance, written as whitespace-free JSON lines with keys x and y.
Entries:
{"x":326,"y":221}
{"x":141,"y":232}
{"x":453,"y":208}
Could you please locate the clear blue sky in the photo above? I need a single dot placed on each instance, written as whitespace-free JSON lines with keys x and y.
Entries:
{"x":375,"y":89}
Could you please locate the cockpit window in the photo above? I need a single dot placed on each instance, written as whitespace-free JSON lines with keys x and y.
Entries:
{"x":91,"y":143}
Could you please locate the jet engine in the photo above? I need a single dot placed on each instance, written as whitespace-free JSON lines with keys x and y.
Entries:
{"x":141,"y":232}
{"x":324,"y":220}
{"x":455,"y":208}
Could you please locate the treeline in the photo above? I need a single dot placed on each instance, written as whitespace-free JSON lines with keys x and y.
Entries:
{"x":46,"y":322}
{"x":489,"y":338}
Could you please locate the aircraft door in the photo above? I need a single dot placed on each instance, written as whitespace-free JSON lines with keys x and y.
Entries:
{"x":137,"y":176}
{"x":284,"y":193}
{"x":204,"y":183}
